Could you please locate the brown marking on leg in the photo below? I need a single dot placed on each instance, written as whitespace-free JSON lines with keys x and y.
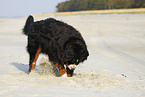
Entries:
{"x":69,"y":72}
{"x":69,"y":75}
{"x":36,"y":57}
{"x":61,"y":69}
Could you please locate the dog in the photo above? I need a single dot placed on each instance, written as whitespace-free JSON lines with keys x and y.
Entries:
{"x":63,"y":44}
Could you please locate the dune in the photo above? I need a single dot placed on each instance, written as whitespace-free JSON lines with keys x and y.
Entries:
{"x":115,"y":67}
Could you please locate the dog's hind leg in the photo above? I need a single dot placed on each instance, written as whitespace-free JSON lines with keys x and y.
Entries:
{"x":33,"y":60}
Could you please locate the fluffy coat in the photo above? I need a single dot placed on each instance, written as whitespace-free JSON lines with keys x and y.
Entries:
{"x":63,"y":44}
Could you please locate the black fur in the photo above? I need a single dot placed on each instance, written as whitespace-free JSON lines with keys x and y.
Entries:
{"x":30,"y":21}
{"x":61,"y":42}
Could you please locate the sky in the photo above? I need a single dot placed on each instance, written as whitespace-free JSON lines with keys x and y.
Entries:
{"x":20,"y":8}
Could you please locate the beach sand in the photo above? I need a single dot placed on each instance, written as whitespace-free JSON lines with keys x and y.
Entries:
{"x":115,"y":67}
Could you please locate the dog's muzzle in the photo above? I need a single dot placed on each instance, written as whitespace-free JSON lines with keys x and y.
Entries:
{"x":72,"y":66}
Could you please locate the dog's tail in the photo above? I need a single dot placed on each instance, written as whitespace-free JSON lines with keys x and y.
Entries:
{"x":29,"y":22}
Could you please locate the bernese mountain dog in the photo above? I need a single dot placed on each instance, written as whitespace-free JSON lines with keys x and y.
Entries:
{"x":63,"y":44}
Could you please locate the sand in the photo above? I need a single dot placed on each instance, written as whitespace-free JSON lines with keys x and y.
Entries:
{"x":115,"y":67}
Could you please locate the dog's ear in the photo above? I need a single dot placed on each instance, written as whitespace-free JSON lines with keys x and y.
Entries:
{"x":84,"y":55}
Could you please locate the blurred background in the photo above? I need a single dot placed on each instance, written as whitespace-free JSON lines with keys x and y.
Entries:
{"x":20,"y":8}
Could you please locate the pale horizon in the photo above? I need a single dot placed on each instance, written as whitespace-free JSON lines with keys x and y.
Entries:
{"x":20,"y":8}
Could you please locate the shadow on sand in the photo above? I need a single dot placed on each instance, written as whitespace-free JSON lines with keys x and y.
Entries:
{"x":21,"y":67}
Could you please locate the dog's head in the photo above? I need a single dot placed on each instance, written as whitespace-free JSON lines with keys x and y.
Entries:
{"x":75,"y":52}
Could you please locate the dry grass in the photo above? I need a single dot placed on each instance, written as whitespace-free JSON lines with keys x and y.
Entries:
{"x":136,"y":10}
